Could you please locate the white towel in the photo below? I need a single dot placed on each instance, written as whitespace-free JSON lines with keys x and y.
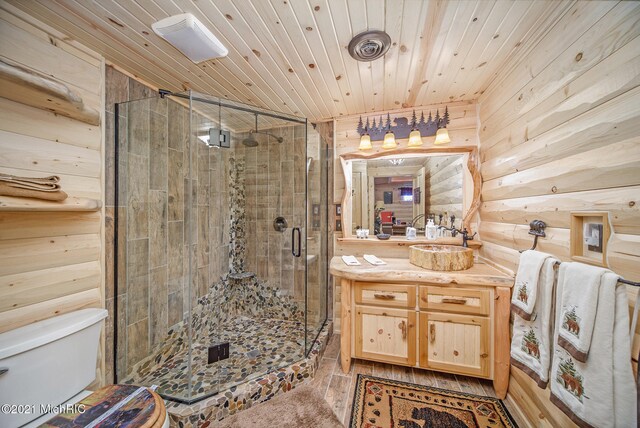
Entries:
{"x":526,"y":284}
{"x":373,"y":259}
{"x":350,"y":260}
{"x":532,"y":339}
{"x":600,"y":392}
{"x":579,"y":302}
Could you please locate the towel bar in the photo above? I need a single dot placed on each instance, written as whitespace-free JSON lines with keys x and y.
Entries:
{"x":620,"y":280}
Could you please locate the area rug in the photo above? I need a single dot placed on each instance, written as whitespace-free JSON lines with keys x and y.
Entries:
{"x":386,"y":403}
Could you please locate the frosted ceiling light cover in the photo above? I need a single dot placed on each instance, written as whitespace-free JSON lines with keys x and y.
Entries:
{"x":190,"y":37}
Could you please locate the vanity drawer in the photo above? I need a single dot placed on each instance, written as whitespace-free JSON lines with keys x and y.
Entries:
{"x":388,"y":295}
{"x":468,"y":301}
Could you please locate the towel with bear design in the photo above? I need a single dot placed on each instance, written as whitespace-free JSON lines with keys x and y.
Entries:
{"x":531,"y":342}
{"x":591,"y":376}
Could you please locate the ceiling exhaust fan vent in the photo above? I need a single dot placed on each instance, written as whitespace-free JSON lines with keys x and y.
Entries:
{"x":190,"y":37}
{"x":369,"y":45}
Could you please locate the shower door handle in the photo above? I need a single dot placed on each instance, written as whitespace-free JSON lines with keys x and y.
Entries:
{"x":296,"y":239}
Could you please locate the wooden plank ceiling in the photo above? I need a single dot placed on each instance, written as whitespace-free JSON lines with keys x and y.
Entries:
{"x":291,"y":55}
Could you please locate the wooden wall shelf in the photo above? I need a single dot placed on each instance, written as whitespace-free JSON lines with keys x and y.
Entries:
{"x":38,"y":90}
{"x":9,"y":203}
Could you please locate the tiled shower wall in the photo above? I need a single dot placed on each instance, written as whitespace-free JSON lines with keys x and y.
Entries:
{"x":276,"y":170}
{"x":154,"y":218}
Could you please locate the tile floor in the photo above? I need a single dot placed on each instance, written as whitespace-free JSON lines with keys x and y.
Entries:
{"x":338,"y":387}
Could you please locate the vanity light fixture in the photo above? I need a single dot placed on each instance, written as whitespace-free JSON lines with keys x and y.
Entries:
{"x":389,"y":137}
{"x":442,"y":137}
{"x":415,"y":139}
{"x":414,"y":130}
{"x":365,"y":138}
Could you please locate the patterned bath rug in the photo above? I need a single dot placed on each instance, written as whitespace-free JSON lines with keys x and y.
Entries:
{"x":386,"y":403}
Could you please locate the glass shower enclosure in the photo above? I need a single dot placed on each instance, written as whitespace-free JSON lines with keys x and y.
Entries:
{"x":221,"y":243}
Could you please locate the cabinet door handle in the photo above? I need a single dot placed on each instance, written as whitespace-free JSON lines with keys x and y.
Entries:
{"x":432,"y":333}
{"x":403,"y":327}
{"x":384,"y":296}
{"x":454,"y":300}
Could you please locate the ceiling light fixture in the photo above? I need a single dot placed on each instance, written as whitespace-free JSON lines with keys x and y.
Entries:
{"x":187,"y":34}
{"x":414,"y":130}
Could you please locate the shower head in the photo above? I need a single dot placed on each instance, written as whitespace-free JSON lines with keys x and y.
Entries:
{"x":250,"y":141}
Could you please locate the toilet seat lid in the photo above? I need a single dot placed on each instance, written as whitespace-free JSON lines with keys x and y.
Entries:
{"x":145,"y":410}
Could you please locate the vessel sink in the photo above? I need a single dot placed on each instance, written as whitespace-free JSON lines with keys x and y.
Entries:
{"x":441,"y":257}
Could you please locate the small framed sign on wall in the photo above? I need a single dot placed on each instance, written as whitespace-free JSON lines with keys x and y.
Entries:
{"x":388,"y":197}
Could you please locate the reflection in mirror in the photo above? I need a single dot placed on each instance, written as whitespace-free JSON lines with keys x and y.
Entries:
{"x":389,"y":195}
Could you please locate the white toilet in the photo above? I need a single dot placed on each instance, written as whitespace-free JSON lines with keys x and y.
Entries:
{"x":48,"y":364}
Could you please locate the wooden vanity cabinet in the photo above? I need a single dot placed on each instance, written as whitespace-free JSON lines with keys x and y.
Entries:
{"x":455,"y":322}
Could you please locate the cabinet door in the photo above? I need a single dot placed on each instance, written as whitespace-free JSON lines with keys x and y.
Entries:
{"x":455,"y":343}
{"x":387,"y":335}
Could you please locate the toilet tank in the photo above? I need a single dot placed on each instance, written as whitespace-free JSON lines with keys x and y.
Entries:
{"x":47,"y":363}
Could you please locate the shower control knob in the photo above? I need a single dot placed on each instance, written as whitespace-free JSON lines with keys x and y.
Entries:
{"x":280,"y":224}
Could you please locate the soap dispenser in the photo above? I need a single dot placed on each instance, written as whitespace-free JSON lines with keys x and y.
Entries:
{"x":431,"y":231}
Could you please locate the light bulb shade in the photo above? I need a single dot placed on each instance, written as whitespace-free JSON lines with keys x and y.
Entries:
{"x":365,"y":142}
{"x":442,"y":136}
{"x":389,"y":141}
{"x":415,"y":140}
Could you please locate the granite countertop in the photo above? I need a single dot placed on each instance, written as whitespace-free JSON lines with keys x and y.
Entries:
{"x":400,"y":270}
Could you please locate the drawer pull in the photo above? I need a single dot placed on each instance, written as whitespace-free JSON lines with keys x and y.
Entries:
{"x":454,"y":301}
{"x":432,"y":333}
{"x":403,"y":328}
{"x":384,"y":296}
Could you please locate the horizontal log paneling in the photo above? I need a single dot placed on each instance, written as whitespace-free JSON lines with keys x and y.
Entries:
{"x":559,"y":132}
{"x":15,"y":318}
{"x":614,"y":121}
{"x":50,"y":262}
{"x":618,"y":166}
{"x":32,"y":225}
{"x":32,"y":287}
{"x":623,"y":203}
{"x":25,"y":255}
{"x":19,"y":118}
{"x":599,"y":84}
{"x":37,"y":154}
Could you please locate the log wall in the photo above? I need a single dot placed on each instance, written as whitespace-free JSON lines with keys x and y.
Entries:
{"x":560,"y":132}
{"x":51,"y":259}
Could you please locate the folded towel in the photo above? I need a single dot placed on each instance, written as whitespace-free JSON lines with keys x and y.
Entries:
{"x":350,"y":260}
{"x":526,"y":284}
{"x":45,"y":184}
{"x":578,"y":304}
{"x":532,"y":339}
{"x":8,"y":190}
{"x":600,"y":392}
{"x":373,"y":259}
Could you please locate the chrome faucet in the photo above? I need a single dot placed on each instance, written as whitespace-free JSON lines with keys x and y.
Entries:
{"x":416,"y":218}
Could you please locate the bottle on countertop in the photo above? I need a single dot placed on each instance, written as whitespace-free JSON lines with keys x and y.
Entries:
{"x":431,"y":231}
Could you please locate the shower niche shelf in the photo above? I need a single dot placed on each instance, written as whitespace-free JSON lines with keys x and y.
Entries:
{"x":9,"y":203}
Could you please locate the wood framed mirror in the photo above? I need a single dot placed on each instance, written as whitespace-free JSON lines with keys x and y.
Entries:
{"x":405,"y":186}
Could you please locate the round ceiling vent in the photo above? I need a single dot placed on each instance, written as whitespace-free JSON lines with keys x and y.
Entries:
{"x":369,"y":45}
